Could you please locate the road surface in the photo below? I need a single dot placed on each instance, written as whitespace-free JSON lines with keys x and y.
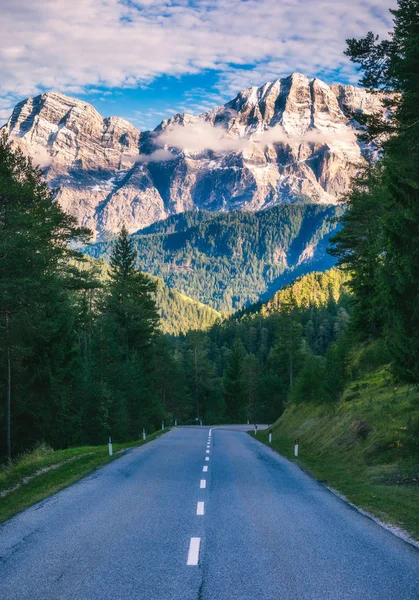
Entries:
{"x":200,"y":516}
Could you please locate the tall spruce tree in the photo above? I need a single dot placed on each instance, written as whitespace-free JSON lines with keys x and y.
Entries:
{"x":129,"y":325}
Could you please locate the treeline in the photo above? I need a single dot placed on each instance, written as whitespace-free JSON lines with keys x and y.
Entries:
{"x":228,"y":260}
{"x":179,"y":314}
{"x":79,"y":355}
{"x":379,"y":241}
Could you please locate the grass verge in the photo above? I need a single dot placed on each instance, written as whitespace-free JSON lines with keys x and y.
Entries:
{"x":35,"y":475}
{"x":366,"y":447}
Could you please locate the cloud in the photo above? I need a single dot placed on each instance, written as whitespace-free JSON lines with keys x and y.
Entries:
{"x":41,"y":157}
{"x":201,"y":136}
{"x":72,"y":46}
{"x":160,"y":155}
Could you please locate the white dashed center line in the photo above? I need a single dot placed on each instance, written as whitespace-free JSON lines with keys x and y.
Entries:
{"x":200,"y":508}
{"x":207,"y":458}
{"x":207,"y":451}
{"x":193,"y":554}
{"x":203,"y":483}
{"x":204,"y":469}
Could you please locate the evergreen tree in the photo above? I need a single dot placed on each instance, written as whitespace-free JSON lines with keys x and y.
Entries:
{"x":129,"y":323}
{"x":383,"y":251}
{"x":233,"y":384}
{"x":130,"y":302}
{"x":251,"y":379}
{"x":37,"y":316}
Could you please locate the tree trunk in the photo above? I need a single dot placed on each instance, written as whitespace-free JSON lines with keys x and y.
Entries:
{"x":196,"y":382}
{"x":9,"y":392}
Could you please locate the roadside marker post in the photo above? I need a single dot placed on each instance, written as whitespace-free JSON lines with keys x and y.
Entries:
{"x":110,"y":446}
{"x":270,"y":436}
{"x":175,"y":422}
{"x":255,"y":427}
{"x":162,"y":425}
{"x":144,"y":435}
{"x":296,"y":447}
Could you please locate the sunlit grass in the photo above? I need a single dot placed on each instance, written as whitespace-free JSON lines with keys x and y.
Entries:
{"x":36,"y":474}
{"x":366,"y":447}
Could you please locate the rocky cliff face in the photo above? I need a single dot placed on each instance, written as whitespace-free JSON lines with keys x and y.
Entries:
{"x":286,"y":141}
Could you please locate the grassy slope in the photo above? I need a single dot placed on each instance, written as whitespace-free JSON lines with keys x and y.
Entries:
{"x":366,"y":447}
{"x":62,"y":468}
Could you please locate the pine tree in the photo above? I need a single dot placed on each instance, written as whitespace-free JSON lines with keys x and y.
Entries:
{"x":384,"y":251}
{"x":130,"y":301}
{"x":233,"y":384}
{"x":129,"y":325}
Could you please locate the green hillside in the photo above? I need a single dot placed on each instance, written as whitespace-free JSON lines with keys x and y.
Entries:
{"x":178,"y":313}
{"x":228,"y":260}
{"x":367,"y":445}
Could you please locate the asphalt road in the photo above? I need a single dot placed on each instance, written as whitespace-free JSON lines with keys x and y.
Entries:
{"x":262,"y":530}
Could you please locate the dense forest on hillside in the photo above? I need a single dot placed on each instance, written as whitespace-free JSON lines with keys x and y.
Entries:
{"x":244,"y":368}
{"x":378,"y":243}
{"x":228,"y":260}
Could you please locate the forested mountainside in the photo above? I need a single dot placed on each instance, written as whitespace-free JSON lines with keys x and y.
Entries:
{"x":178,"y":313}
{"x":288,"y":140}
{"x":227,"y":260}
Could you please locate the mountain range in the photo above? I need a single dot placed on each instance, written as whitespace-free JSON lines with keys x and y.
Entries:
{"x":291,"y":140}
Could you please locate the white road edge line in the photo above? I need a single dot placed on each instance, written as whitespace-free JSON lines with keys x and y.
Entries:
{"x":200,"y":508}
{"x":204,"y":469}
{"x":193,"y":554}
{"x":203,"y":484}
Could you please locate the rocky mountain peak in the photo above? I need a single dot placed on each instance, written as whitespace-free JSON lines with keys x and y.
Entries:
{"x":289,"y":140}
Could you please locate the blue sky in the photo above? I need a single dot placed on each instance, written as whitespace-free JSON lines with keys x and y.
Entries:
{"x":145,"y":60}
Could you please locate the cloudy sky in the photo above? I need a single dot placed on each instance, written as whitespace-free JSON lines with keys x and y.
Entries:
{"x":148,"y":59}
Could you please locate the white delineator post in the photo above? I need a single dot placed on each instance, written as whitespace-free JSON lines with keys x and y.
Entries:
{"x":144,"y":435}
{"x":110,"y":446}
{"x":270,"y":436}
{"x":162,"y":425}
{"x":296,"y":447}
{"x":175,"y":422}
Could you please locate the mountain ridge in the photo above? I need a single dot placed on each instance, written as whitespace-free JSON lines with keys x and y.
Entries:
{"x":290,"y":140}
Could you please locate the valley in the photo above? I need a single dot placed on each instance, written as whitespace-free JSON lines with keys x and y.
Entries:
{"x":230,"y":260}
